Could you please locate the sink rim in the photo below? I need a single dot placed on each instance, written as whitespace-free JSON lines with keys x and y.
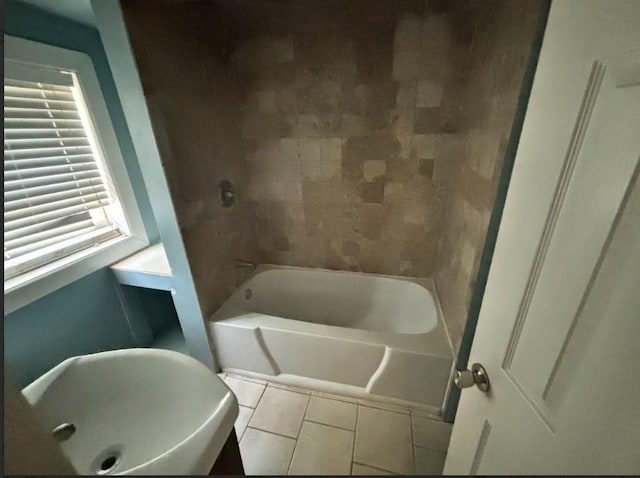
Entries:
{"x":220,"y":409}
{"x":204,"y":426}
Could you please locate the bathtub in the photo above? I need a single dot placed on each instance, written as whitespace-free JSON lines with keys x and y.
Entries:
{"x":363,"y":335}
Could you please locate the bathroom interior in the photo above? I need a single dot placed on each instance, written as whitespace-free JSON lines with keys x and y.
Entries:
{"x":323,"y":186}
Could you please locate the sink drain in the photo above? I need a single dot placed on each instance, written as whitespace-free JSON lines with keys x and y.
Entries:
{"x":107,"y":462}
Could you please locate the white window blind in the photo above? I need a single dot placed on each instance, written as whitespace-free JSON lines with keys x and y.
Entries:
{"x":58,"y":197}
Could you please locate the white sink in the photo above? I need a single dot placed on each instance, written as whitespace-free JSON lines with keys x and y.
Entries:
{"x":142,"y":411}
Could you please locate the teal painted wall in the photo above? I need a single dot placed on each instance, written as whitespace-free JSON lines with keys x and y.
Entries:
{"x":87,"y":315}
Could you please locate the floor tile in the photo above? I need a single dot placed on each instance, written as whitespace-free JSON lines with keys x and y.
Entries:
{"x":322,"y":450}
{"x":332,"y":412}
{"x":383,"y":440}
{"x":359,"y":469}
{"x":280,"y":411}
{"x":248,"y":393}
{"x":431,"y":434}
{"x":428,"y":462}
{"x":265,"y":453}
{"x":243,"y":419}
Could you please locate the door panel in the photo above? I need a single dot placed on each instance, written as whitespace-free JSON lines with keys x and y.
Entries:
{"x":588,"y":197}
{"x":560,"y":320}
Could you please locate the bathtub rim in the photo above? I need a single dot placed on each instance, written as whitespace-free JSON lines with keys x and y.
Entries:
{"x":226,"y":312}
{"x":386,"y":304}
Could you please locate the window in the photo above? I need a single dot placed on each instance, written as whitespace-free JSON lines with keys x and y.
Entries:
{"x":69,"y":208}
{"x":57,"y":198}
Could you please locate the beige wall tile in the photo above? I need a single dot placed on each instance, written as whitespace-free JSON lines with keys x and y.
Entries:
{"x":354,"y":124}
{"x":429,"y":94}
{"x":374,"y":169}
{"x":470,"y":161}
{"x":288,"y":149}
{"x":309,"y":149}
{"x":406,"y":65}
{"x":424,"y":145}
{"x":292,"y":191}
{"x":408,"y":33}
{"x":331,"y":149}
{"x":331,"y":169}
{"x":266,"y":102}
{"x":203,"y":143}
{"x":373,"y":143}
{"x":312,"y":169}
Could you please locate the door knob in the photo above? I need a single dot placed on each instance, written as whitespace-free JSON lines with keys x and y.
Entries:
{"x":476,"y":376}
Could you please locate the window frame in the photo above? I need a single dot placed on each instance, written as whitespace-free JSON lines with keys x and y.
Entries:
{"x":31,"y":286}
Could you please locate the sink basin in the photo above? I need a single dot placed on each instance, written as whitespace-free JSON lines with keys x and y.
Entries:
{"x":136,"y":411}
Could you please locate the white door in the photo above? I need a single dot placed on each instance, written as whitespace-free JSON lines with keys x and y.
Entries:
{"x":559,"y":328}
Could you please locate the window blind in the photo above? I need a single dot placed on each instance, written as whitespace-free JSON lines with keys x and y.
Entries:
{"x":56,"y":196}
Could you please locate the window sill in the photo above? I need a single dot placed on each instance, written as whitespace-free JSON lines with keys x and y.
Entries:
{"x":148,"y":268}
{"x":31,"y":286}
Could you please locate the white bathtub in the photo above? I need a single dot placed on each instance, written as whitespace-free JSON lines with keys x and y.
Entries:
{"x":365,"y":335}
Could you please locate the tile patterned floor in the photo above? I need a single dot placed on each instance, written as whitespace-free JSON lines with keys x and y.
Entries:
{"x":286,"y":430}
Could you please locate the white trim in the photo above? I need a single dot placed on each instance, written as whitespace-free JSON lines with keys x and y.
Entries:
{"x":78,"y":265}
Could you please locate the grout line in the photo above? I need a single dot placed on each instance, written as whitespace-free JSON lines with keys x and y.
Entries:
{"x":337,"y":398}
{"x":303,"y":415}
{"x":384,"y":406}
{"x":272,"y":433}
{"x":264,"y":389}
{"x":301,"y":391}
{"x":298,"y":434}
{"x":330,"y":426}
{"x":444,"y":452}
{"x":291,"y":391}
{"x":413,"y":452}
{"x":371,"y":466}
{"x":247,"y":425}
{"x":309,"y":394}
{"x":355,"y":431}
{"x":247,"y":379}
{"x":387,"y":410}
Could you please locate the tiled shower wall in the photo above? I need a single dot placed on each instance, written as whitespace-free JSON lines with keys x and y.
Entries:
{"x":341,"y":118}
{"x":193,"y":108}
{"x":490,"y":46}
{"x":361,"y":135}
{"x":375,"y":139}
